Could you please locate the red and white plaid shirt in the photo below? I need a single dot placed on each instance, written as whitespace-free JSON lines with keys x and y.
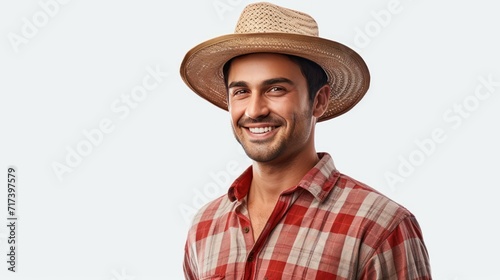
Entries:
{"x":329,"y":226}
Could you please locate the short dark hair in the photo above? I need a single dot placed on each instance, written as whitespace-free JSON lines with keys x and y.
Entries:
{"x":314,"y":74}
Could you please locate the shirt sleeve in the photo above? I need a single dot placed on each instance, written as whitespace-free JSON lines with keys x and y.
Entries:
{"x":402,"y":255}
{"x":189,"y":265}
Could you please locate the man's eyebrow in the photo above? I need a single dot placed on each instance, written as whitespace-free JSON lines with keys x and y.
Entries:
{"x":237,"y":84}
{"x":277,"y":81}
{"x":264,"y":83}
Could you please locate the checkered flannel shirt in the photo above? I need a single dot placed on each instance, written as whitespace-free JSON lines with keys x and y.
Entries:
{"x":329,"y":226}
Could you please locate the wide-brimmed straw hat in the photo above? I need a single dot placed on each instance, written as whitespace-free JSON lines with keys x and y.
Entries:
{"x":264,"y":27}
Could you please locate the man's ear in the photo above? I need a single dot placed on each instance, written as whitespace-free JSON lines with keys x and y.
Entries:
{"x":321,"y":101}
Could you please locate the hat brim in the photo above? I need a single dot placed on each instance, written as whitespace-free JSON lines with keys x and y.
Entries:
{"x":348,"y":75}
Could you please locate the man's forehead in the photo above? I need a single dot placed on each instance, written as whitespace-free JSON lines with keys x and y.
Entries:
{"x":262,"y":63}
{"x":266,"y":55}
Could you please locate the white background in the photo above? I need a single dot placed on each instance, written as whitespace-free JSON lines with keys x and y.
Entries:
{"x":121,"y":210}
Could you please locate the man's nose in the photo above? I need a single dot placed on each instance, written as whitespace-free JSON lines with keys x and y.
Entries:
{"x":257,"y":106}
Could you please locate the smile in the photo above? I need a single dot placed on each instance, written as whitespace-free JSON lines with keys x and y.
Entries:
{"x":260,"y":130}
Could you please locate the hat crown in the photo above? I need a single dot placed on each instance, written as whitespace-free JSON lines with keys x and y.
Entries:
{"x":268,"y":18}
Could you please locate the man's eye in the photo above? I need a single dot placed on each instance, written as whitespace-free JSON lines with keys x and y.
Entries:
{"x":239,"y":92}
{"x":276,"y":90}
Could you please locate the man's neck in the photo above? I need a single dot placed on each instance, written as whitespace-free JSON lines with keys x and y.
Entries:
{"x":271,"y":179}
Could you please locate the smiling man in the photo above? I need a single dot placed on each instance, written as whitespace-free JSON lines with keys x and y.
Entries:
{"x":291,"y":214}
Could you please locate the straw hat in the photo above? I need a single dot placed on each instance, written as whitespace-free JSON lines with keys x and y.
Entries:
{"x":264,"y":27}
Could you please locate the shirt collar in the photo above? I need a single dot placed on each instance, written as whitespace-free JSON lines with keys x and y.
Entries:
{"x":319,"y":181}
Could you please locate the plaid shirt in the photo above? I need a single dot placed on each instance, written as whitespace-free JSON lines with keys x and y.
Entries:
{"x":329,"y":226}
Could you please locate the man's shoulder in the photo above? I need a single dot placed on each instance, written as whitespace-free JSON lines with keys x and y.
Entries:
{"x":214,"y":209}
{"x":366,"y":201}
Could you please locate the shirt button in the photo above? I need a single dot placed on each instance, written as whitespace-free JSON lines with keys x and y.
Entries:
{"x":250,"y":257}
{"x":246,"y":229}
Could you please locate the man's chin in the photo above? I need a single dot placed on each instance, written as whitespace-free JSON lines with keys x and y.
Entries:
{"x":265,"y":154}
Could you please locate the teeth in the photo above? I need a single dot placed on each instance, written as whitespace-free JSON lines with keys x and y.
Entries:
{"x":259,"y":130}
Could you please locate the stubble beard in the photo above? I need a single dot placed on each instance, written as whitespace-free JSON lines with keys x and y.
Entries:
{"x":264,"y":151}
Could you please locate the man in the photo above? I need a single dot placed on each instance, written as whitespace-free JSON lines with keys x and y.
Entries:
{"x":291,"y":214}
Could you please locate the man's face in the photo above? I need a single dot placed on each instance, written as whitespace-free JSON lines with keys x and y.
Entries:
{"x":271,"y":114}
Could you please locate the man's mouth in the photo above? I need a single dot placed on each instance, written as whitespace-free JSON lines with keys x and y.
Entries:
{"x":261,"y":130}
